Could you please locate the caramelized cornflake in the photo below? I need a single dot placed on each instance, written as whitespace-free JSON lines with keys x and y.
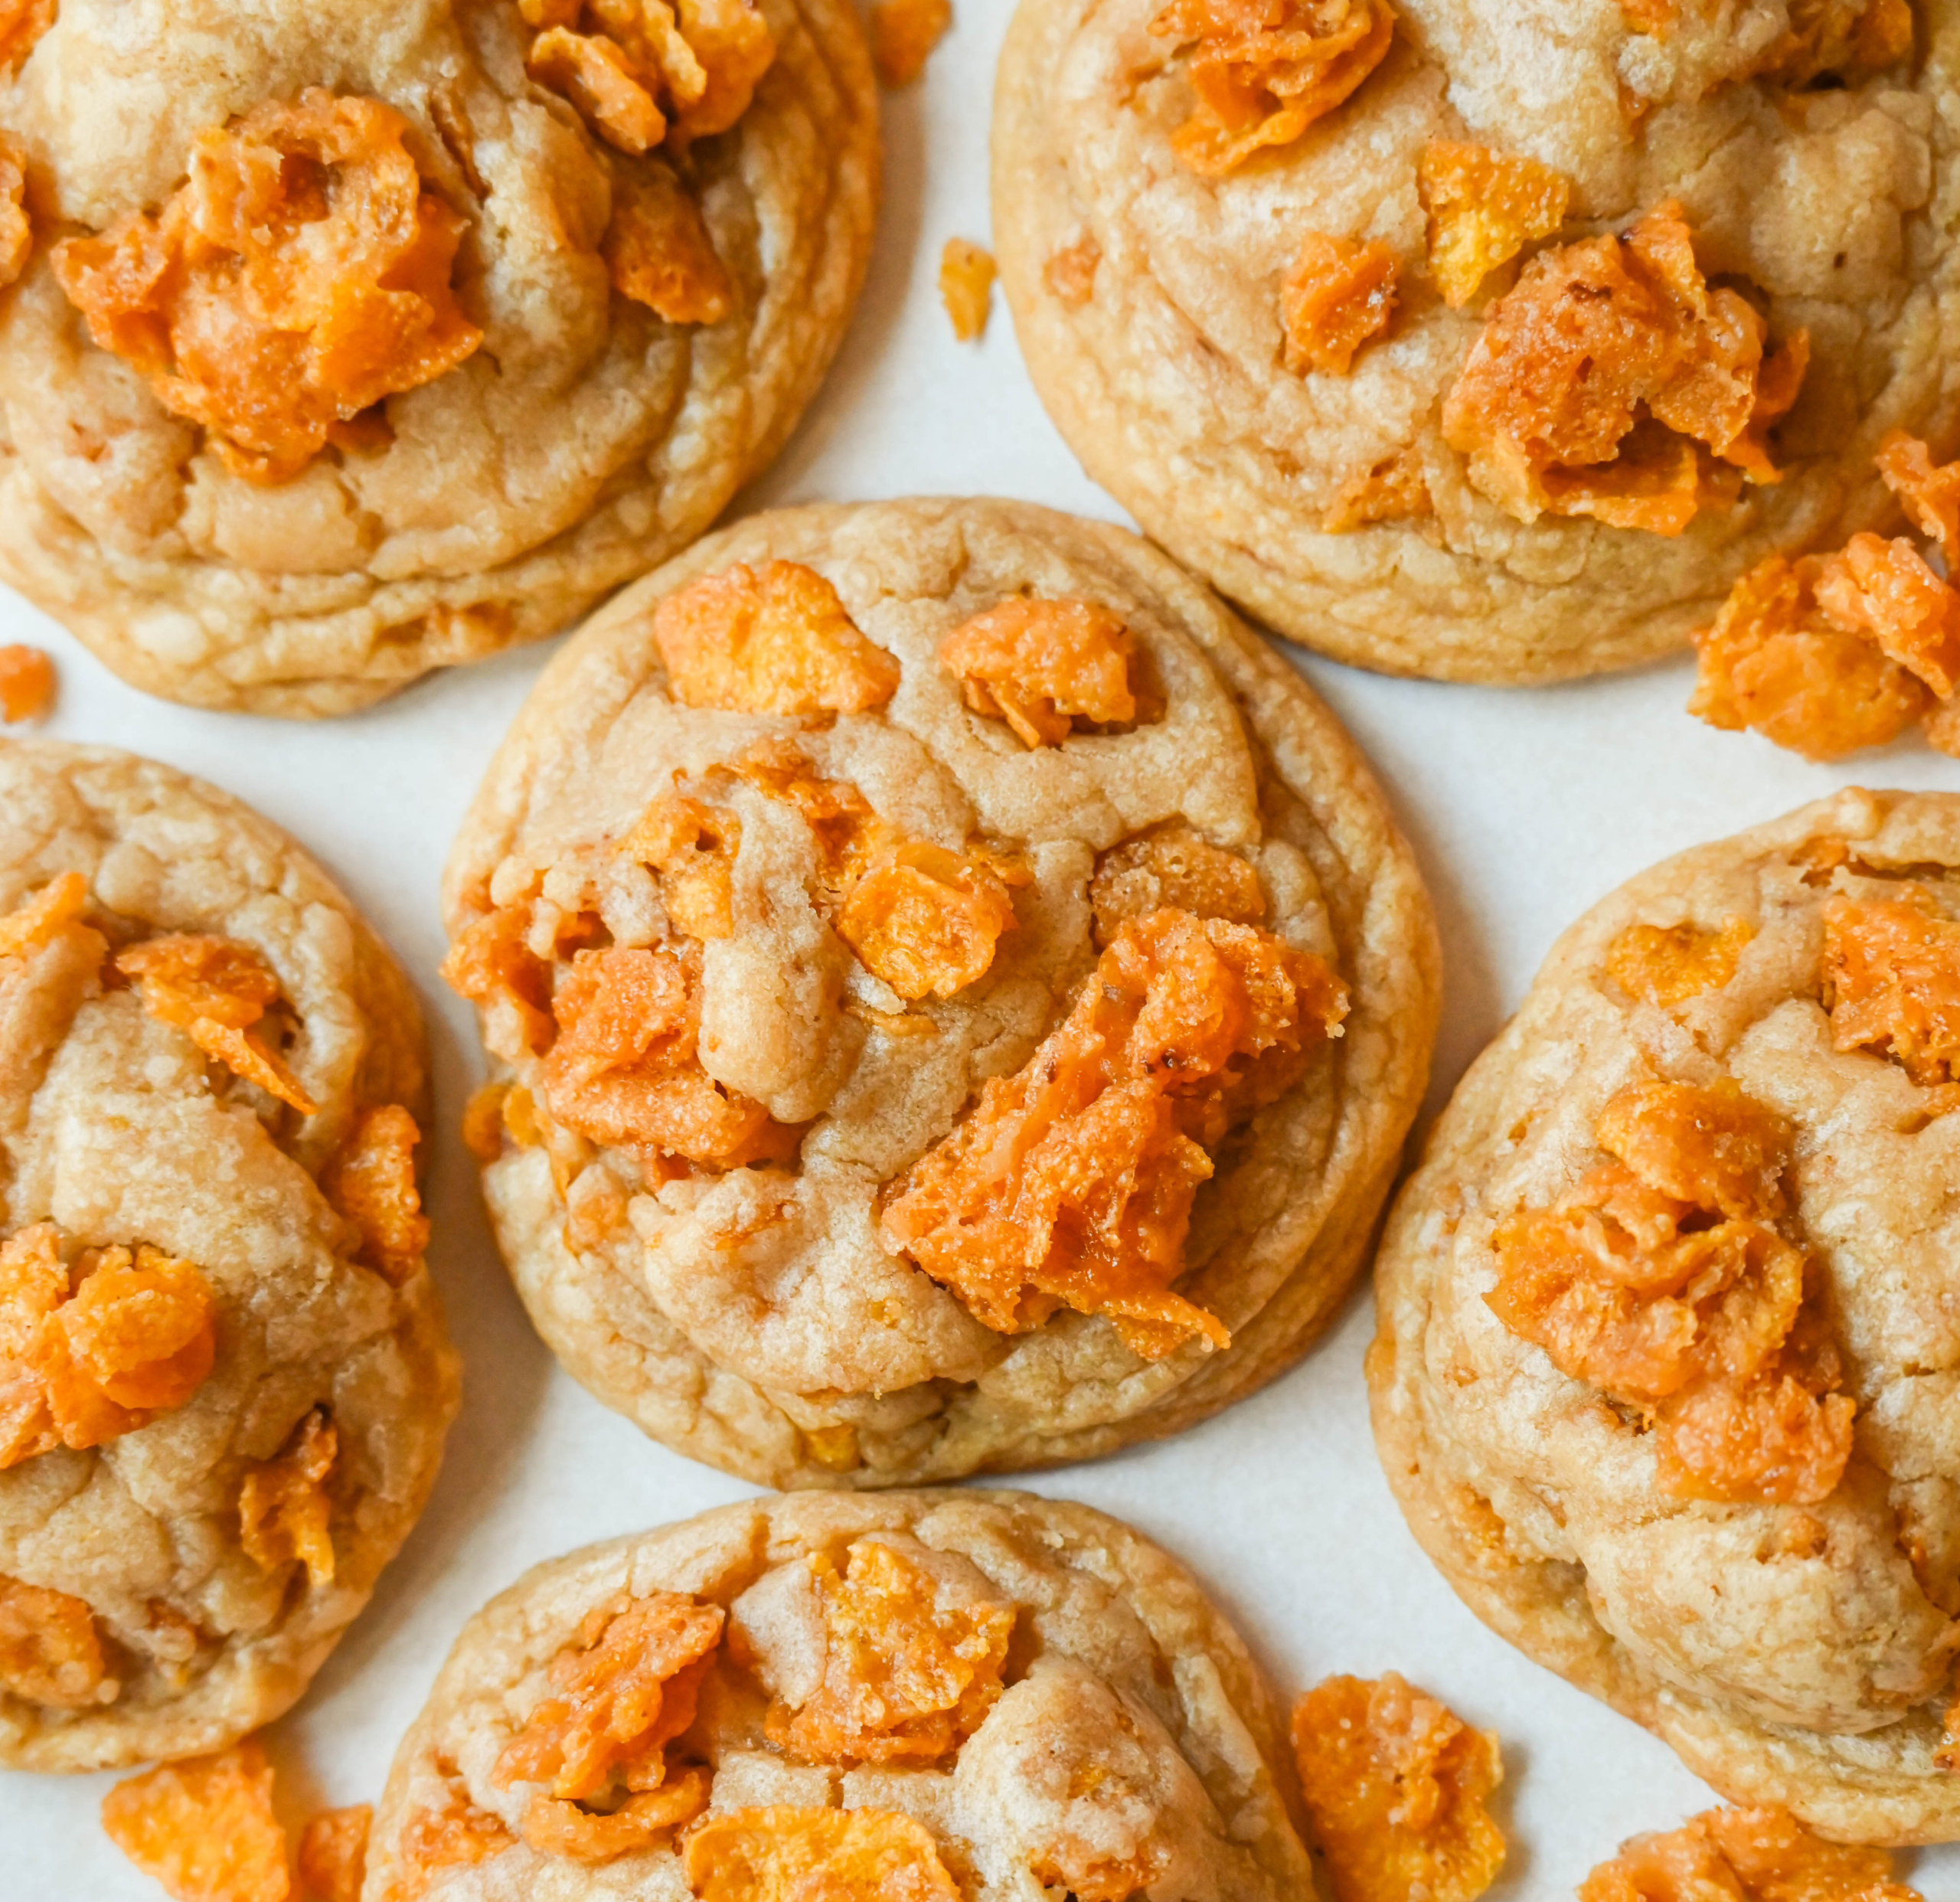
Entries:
{"x":1391,"y":489}
{"x":1483,"y":207}
{"x":215,"y":990}
{"x":556,"y":1828}
{"x":1744,"y":1855}
{"x":1264,"y":70}
{"x":16,"y":232}
{"x":22,"y":22}
{"x":27,"y":674}
{"x":204,"y":1828}
{"x":1396,"y":1785}
{"x":840,"y":817}
{"x":660,"y":254}
{"x":1843,"y":39}
{"x":491,"y":964}
{"x":1071,"y":1182}
{"x":299,"y":277}
{"x":784,"y":1854}
{"x":1070,"y":273}
{"x":905,"y":1678}
{"x":1175,"y":867}
{"x":333,"y":1854}
{"x":372,"y":1183}
{"x":1658,"y":17}
{"x":1661,"y":1279}
{"x":774,"y":640}
{"x":56,"y":906}
{"x":1930,"y":492}
{"x":1884,"y":591}
{"x":1598,"y":384}
{"x":966,"y":287}
{"x":1666,"y":965}
{"x":458,"y":1835}
{"x":1892,"y":975}
{"x":483,"y":1122}
{"x":284,"y":1513}
{"x":1042,"y":665}
{"x":1340,"y":294}
{"x":926,"y":920}
{"x":904,"y":34}
{"x":50,"y":1652}
{"x":692,"y":847}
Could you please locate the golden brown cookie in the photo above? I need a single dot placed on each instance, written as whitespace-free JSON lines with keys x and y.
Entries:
{"x":1485,"y":339}
{"x":956,"y":998}
{"x":936,"y":1695}
{"x":1668,"y":1353}
{"x":223,"y":1377}
{"x":345,"y":342}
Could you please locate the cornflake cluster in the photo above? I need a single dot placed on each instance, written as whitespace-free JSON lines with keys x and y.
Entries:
{"x":1744,"y":1855}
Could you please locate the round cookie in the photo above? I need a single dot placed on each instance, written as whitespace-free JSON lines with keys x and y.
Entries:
{"x":1396,"y":383}
{"x":349,"y":342}
{"x":1666,"y":1353}
{"x":223,"y":1377}
{"x":861,"y":1062}
{"x":983,"y":1695}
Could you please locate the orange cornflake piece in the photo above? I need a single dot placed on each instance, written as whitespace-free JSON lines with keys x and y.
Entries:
{"x":1885,"y":591}
{"x":905,"y":1678}
{"x":1393,"y":488}
{"x":372,"y":1183}
{"x":1744,"y":1855}
{"x":774,"y":640}
{"x":1071,"y":1182}
{"x":1849,"y":39}
{"x":490,"y":964}
{"x":22,"y":22}
{"x":1041,"y":665}
{"x":1773,"y":662}
{"x":458,"y":1835}
{"x":333,"y":1853}
{"x":50,"y":1652}
{"x":659,"y":251}
{"x":904,"y":34}
{"x":284,"y":1513}
{"x":214,"y":990}
{"x":840,"y":817}
{"x":1175,"y":867}
{"x":1947,"y":1757}
{"x":1715,"y":1147}
{"x":1396,"y":1785}
{"x":1070,"y":273}
{"x":204,"y":1828}
{"x":556,"y":1828}
{"x":1930,"y":491}
{"x":483,"y":1122}
{"x":1892,"y":973}
{"x":1264,"y":70}
{"x":966,"y":287}
{"x":692,"y":847}
{"x":1340,"y":294}
{"x":300,"y":276}
{"x":783,"y":1855}
{"x":16,"y":232}
{"x":1666,"y":965}
{"x":926,"y":920}
{"x":56,"y":906}
{"x":1658,"y":17}
{"x":27,"y":674}
{"x":1597,"y":337}
{"x":1485,"y":207}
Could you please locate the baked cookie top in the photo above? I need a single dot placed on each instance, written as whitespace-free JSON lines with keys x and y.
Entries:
{"x":223,"y":1381}
{"x":345,"y":342}
{"x":956,"y":998}
{"x":943,"y":1695}
{"x":1484,"y":340}
{"x":1668,"y":1340}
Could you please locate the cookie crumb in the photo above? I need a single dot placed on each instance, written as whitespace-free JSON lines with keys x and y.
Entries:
{"x":966,"y":287}
{"x":904,"y":34}
{"x":1756,"y":1855}
{"x":1339,"y":295}
{"x":27,"y":682}
{"x":204,"y":1828}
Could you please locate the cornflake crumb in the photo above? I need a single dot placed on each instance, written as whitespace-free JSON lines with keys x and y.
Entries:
{"x":50,"y":1653}
{"x":1175,"y":867}
{"x":1042,"y":665}
{"x":1340,"y":294}
{"x":204,"y":1828}
{"x":1929,"y":491}
{"x":966,"y":287}
{"x":1484,"y":208}
{"x":16,"y":232}
{"x":371,"y":1182}
{"x":1070,"y":273}
{"x":691,"y":847}
{"x":1892,"y":981}
{"x":27,"y":674}
{"x":457,"y":1835}
{"x":1744,"y":1855}
{"x":777,"y":1854}
{"x":659,"y":252}
{"x":483,"y":1122}
{"x":1396,"y":1785}
{"x":904,"y":34}
{"x":284,"y":1513}
{"x":333,"y":1854}
{"x":926,"y":920}
{"x":1392,"y":488}
{"x":1846,"y":39}
{"x":1666,"y":965}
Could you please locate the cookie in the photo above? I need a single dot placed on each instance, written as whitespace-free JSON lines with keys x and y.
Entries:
{"x":344,"y":343}
{"x":978,"y":1694}
{"x":223,"y":1377}
{"x":1666,"y":1352}
{"x":955,"y":999}
{"x":1481,"y":340}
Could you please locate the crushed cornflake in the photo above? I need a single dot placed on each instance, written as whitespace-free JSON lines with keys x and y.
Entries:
{"x":458,"y":1835}
{"x":1172,"y":866}
{"x":1264,"y":70}
{"x":1892,"y":975}
{"x":556,"y":1828}
{"x":483,"y":1122}
{"x":215,"y":990}
{"x":1613,"y":382}
{"x":783,"y":1855}
{"x":926,"y":920}
{"x":1840,"y":39}
{"x":53,"y":908}
{"x":1661,"y":1279}
{"x":1666,"y":965}
{"x":1396,"y":1785}
{"x":1930,"y":491}
{"x":333,"y":1854}
{"x":204,"y":1828}
{"x":904,"y":34}
{"x":299,"y":277}
{"x":89,"y":1354}
{"x":1071,"y":1182}
{"x":1391,"y":489}
{"x":50,"y":1652}
{"x":659,"y":252}
{"x":966,"y":287}
{"x":1340,"y":294}
{"x":692,"y":847}
{"x":491,"y":964}
{"x":22,"y":22}
{"x":839,"y":816}
{"x":27,"y":678}
{"x":1070,"y":273}
{"x":371,"y":1182}
{"x":1947,"y":1757}
{"x":1657,"y":17}
{"x":1885,"y":591}
{"x":1744,"y":1855}
{"x":905,"y":1678}
{"x":16,"y":232}
{"x":1484,"y":208}
{"x":774,"y":640}
{"x":1042,"y":665}
{"x":284,"y":1513}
